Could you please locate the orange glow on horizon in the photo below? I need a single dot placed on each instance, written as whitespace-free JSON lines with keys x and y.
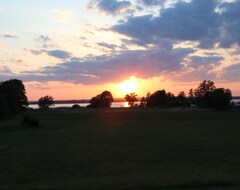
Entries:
{"x":128,"y":86}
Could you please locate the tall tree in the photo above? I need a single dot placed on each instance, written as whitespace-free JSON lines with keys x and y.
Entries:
{"x":221,"y":98}
{"x":203,"y":93}
{"x":15,"y":95}
{"x":45,"y":102}
{"x":131,"y":98}
{"x":181,"y":99}
{"x":103,"y":100}
{"x":158,"y":99}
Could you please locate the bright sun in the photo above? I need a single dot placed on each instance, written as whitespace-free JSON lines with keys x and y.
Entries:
{"x":128,"y":86}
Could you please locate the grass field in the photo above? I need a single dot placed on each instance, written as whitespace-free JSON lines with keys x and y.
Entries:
{"x":121,"y":149}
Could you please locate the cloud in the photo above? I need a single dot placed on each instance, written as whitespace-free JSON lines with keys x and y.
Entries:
{"x":231,"y":73}
{"x":44,"y":41}
{"x":231,"y":24}
{"x":36,"y":52}
{"x":60,"y":54}
{"x":5,"y":70}
{"x":106,"y":45}
{"x":111,"y":6}
{"x":208,"y":22}
{"x":198,"y":61}
{"x":8,"y":36}
{"x":116,"y":67}
{"x":152,"y":2}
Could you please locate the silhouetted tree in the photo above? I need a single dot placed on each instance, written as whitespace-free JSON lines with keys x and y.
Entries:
{"x":45,"y":102}
{"x":148,"y":96}
{"x":15,"y":95}
{"x":103,"y":100}
{"x":131,"y":98}
{"x":157,"y":99}
{"x":221,"y":98}
{"x":171,"y":100}
{"x":76,"y":106}
{"x":181,"y":99}
{"x":204,"y":92}
{"x":143,"y":102}
{"x":191,"y":98}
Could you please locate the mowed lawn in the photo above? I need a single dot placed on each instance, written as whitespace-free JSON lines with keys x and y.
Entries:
{"x":121,"y":149}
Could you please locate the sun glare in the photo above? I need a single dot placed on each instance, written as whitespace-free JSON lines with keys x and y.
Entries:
{"x":128,"y":86}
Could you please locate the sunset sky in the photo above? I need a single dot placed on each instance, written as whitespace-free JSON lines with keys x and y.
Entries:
{"x":75,"y":49}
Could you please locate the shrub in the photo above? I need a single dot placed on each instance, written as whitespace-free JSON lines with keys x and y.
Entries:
{"x":76,"y":106}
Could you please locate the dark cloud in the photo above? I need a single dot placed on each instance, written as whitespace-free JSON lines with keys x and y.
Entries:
{"x":110,"y":6}
{"x":198,"y":61}
{"x":231,"y":73}
{"x":151,"y":2}
{"x":102,"y":69}
{"x":60,"y":54}
{"x":106,"y":45}
{"x":231,"y":24}
{"x":9,"y":36}
{"x":192,"y":21}
{"x":197,"y":21}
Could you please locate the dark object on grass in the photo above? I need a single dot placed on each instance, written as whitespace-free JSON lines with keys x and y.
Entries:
{"x":5,"y":148}
{"x":28,"y":122}
{"x":76,"y":106}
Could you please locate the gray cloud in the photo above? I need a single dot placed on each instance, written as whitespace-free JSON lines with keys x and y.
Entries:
{"x":106,"y":45}
{"x":5,"y":70}
{"x":231,"y":72}
{"x":198,"y":61}
{"x":110,"y":6}
{"x":36,"y":52}
{"x":231,"y":24}
{"x":60,"y":54}
{"x":197,"y":20}
{"x":44,"y":41}
{"x":102,"y":69}
{"x":8,"y":36}
{"x":151,"y":2}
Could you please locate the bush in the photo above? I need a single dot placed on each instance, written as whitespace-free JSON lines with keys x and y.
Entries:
{"x":45,"y":102}
{"x":76,"y":106}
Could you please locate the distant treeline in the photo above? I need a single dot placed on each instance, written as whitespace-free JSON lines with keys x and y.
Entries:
{"x":13,"y":98}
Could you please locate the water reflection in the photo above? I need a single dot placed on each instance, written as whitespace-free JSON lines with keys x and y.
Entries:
{"x":114,"y":105}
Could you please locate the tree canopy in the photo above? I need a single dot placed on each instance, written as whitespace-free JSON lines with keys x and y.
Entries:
{"x":221,"y":98}
{"x":203,"y":93}
{"x":14,"y":93}
{"x":45,"y":102}
{"x":131,"y":98}
{"x":103,"y":100}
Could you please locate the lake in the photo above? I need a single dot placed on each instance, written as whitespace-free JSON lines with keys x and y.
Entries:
{"x":114,"y":104}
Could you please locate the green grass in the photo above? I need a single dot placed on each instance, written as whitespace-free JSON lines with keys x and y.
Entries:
{"x":121,"y":149}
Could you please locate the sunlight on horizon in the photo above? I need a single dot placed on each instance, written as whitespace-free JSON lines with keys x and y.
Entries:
{"x":128,"y":86}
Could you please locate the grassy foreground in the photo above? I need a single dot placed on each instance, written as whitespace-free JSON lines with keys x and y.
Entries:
{"x":121,"y":149}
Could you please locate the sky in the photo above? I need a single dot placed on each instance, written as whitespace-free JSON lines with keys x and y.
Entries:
{"x":76,"y":49}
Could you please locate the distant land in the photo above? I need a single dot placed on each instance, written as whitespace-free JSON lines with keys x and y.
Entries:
{"x":87,"y":100}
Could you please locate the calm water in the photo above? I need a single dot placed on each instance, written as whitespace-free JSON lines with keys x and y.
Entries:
{"x":114,"y":105}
